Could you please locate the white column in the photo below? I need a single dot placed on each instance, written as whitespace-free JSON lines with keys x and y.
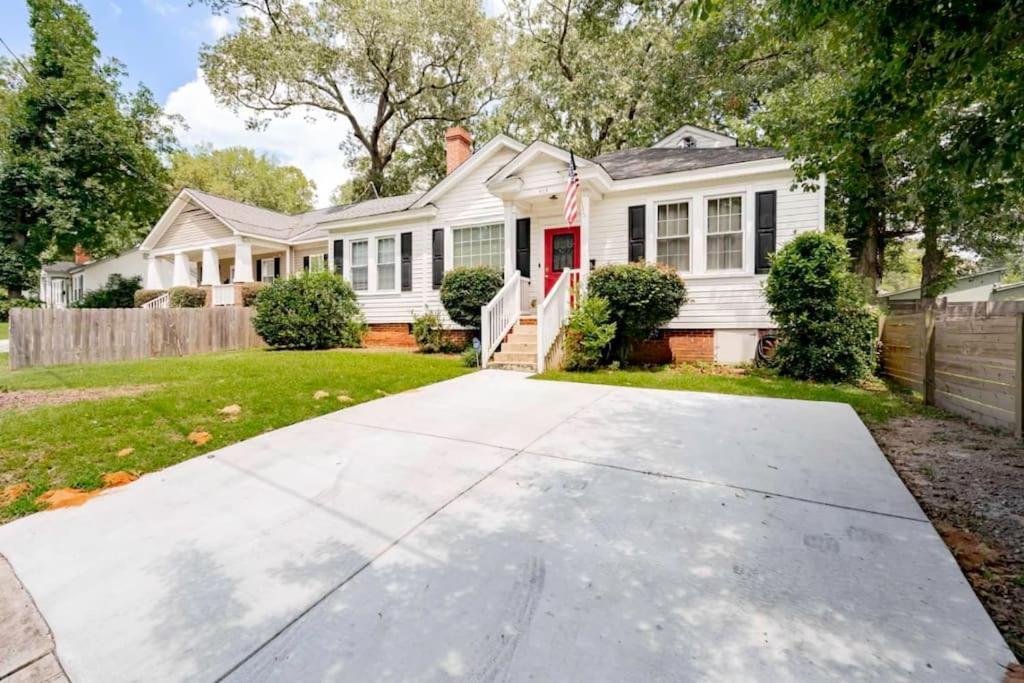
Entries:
{"x":182,"y":277}
{"x":510,"y":239}
{"x":584,"y":236}
{"x":243,"y":261}
{"x":211,"y":267}
{"x":154,"y":273}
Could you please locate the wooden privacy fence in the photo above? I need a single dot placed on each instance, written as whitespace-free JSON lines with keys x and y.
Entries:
{"x":967,"y":358}
{"x":95,"y":335}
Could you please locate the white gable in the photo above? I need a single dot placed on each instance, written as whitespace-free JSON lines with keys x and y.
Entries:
{"x":694,"y":136}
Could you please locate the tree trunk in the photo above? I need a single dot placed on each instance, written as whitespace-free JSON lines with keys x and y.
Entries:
{"x":932,"y":271}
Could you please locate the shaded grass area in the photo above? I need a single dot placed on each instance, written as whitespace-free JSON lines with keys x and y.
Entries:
{"x":875,"y":402}
{"x":74,"y":444}
{"x":5,"y":330}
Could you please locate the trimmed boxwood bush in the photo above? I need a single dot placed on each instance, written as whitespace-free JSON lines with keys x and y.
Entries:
{"x":119,"y":292}
{"x":144,"y":296}
{"x":827,"y":330}
{"x":250,"y":291}
{"x":588,"y":334}
{"x":641,"y":298}
{"x":188,"y":297}
{"x":465,"y":290}
{"x":310,"y":311}
{"x":428,"y":332}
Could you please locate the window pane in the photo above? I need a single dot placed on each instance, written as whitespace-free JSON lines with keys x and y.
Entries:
{"x":360,"y":272}
{"x":675,"y":252}
{"x":479,"y":246}
{"x":674,"y":220}
{"x":386,"y":263}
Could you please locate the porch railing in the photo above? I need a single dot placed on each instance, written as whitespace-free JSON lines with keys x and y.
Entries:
{"x":553,"y":313}
{"x":223,"y":295}
{"x":498,"y":316}
{"x":162,"y":301}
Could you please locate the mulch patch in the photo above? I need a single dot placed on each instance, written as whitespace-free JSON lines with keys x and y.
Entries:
{"x":970,"y":482}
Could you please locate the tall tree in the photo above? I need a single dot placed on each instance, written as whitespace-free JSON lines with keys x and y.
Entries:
{"x":79,"y":159}
{"x":384,"y":67}
{"x":242,"y":174}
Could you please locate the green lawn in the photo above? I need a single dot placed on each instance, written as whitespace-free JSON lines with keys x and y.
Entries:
{"x":5,"y":330}
{"x":74,"y":444}
{"x":874,"y":402}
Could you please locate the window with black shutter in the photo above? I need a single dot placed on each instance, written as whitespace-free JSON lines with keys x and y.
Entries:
{"x":764,"y":229}
{"x":305,"y":263}
{"x":523,"y":246}
{"x":437,"y":271}
{"x":277,"y":267}
{"x":339,"y":256}
{"x":406,"y":262}
{"x":259,"y":270}
{"x":637,"y":233}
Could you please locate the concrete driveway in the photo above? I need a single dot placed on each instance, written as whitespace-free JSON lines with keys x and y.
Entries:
{"x":494,"y":527}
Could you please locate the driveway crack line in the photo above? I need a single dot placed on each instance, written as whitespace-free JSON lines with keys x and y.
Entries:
{"x":487,"y":475}
{"x":736,"y":487}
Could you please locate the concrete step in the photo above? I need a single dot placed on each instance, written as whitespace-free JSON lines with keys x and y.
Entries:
{"x":520,"y":338}
{"x":515,"y":357}
{"x":518,"y":367}
{"x":528,"y":320}
{"x":521,"y":347}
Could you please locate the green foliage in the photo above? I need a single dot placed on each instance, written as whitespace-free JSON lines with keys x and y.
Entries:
{"x":250,"y":291}
{"x":316,"y":310}
{"x":588,"y":334}
{"x":119,"y":292}
{"x":470,"y":357}
{"x":187,"y":297}
{"x":144,"y":296}
{"x":827,"y":330}
{"x":641,"y":297}
{"x":428,"y":332}
{"x":79,"y":159}
{"x":241,"y":174}
{"x":382,"y":68}
{"x":6,"y":304}
{"x":464,"y":291}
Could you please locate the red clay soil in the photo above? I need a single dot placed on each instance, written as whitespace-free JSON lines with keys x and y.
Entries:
{"x":68,"y":497}
{"x":9,"y":494}
{"x":970,"y":482}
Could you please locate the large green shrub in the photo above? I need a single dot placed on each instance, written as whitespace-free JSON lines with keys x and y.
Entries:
{"x":827,"y":330}
{"x":641,"y":297}
{"x":188,"y":297}
{"x":428,"y":332}
{"x":144,"y":296}
{"x":465,"y":290}
{"x":119,"y":292}
{"x":7,"y":304}
{"x":588,"y":334}
{"x":250,"y":291}
{"x":310,"y":311}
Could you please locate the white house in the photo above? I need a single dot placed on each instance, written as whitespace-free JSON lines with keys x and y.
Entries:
{"x":695,"y":201}
{"x":65,"y":282}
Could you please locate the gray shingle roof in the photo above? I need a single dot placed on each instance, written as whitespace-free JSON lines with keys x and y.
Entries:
{"x":639,"y":163}
{"x":60,"y":267}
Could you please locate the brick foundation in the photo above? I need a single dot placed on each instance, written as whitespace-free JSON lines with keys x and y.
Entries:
{"x":399,"y":335}
{"x":676,"y":346}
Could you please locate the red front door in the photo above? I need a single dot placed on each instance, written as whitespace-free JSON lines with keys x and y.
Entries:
{"x":561,"y":251}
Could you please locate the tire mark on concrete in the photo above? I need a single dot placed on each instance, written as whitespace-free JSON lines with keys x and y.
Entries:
{"x":520,"y":608}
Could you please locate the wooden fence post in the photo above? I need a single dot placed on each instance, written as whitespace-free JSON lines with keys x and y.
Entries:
{"x":1018,"y":413}
{"x":929,"y":355}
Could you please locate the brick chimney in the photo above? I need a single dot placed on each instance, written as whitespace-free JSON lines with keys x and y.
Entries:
{"x":456,"y":146}
{"x":81,"y":255}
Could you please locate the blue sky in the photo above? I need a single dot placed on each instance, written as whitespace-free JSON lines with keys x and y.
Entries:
{"x":158,"y":41}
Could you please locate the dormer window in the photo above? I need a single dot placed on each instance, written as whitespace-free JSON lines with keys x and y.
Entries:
{"x":689,"y":142}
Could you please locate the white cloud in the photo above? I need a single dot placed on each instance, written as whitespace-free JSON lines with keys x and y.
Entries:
{"x":218,"y":24}
{"x":306,"y":139}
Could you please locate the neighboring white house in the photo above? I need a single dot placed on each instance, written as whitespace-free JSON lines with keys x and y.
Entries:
{"x":983,"y":286}
{"x":65,"y":282}
{"x":695,"y":201}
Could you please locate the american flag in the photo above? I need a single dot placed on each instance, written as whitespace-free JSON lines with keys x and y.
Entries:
{"x":571,"y":210}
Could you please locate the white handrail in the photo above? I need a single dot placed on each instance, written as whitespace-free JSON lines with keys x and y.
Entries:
{"x":553,"y":312}
{"x":162,"y":301}
{"x":498,"y":316}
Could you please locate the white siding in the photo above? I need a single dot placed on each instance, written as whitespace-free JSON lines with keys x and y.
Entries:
{"x":129,"y":264}
{"x":316,"y":249}
{"x":194,"y":225}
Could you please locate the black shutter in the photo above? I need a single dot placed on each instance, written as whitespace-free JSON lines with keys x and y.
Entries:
{"x":305,"y":264}
{"x":406,"y":261}
{"x":438,"y":257}
{"x":637,"y":233}
{"x":259,"y":270}
{"x":277,"y":267}
{"x":523,"y":246}
{"x":764,"y":230}
{"x":339,"y":257}
{"x":326,"y":261}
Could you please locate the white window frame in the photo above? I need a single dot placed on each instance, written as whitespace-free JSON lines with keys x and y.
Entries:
{"x":689,"y":237}
{"x":352,"y":264}
{"x":394,"y":264}
{"x":498,"y":221}
{"x":263,"y":270}
{"x":743,"y":196}
{"x":317,"y":262}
